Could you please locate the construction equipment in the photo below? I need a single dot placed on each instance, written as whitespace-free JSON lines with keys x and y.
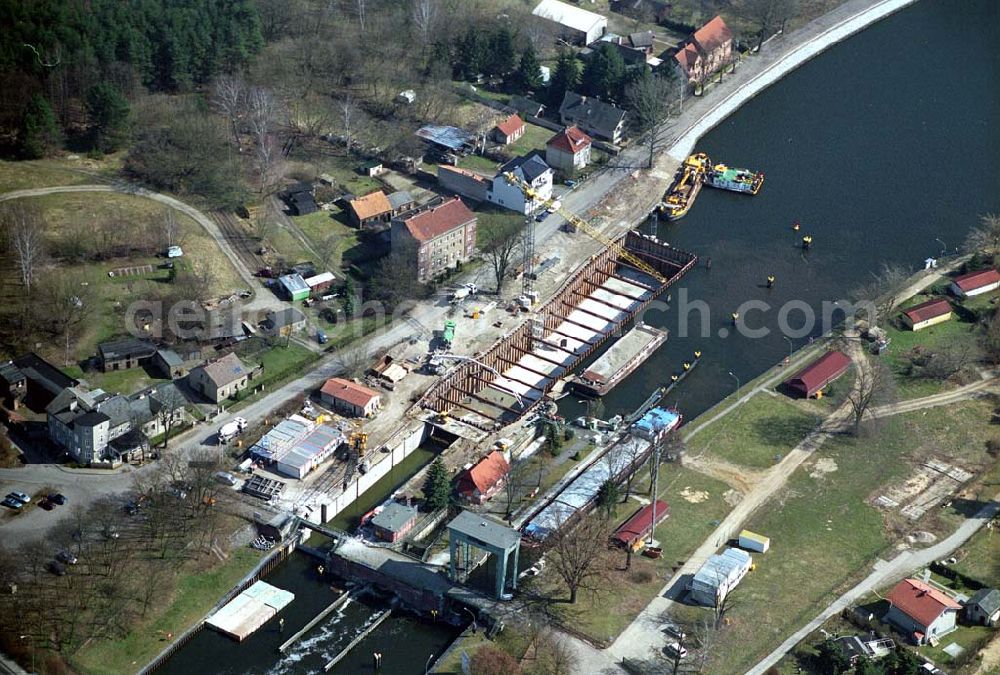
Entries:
{"x":358,"y":441}
{"x":581,"y":224}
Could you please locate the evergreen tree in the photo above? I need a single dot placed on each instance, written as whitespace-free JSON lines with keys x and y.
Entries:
{"x":108,"y":111}
{"x":437,"y":488}
{"x":529,"y":76}
{"x":501,"y":59}
{"x":608,"y":495}
{"x":471,"y":55}
{"x":40,"y":133}
{"x":604,"y":75}
{"x":565,"y":78}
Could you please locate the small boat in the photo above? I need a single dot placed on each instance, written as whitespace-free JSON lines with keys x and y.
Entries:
{"x":735,"y":180}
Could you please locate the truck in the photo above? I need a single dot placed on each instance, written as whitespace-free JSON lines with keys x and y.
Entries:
{"x":231,"y":430}
{"x":463,"y":292}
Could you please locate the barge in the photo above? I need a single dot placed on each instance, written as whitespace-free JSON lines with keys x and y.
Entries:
{"x":618,"y":362}
{"x":735,"y":180}
{"x":680,"y":197}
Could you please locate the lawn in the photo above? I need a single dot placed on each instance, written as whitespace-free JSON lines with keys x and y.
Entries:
{"x":696,"y":507}
{"x":195,"y":595}
{"x":821,"y":520}
{"x":534,"y":138}
{"x":282,"y":361}
{"x":758,"y":433}
{"x":343,"y":169}
{"x":479,"y":163}
{"x":56,"y":171}
{"x":122,"y":381}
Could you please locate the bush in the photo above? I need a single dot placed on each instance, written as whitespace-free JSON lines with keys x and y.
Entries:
{"x":641,"y":576}
{"x":993,"y":447}
{"x":492,"y":661}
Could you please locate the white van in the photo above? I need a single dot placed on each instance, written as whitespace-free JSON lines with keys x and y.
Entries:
{"x":674,"y":649}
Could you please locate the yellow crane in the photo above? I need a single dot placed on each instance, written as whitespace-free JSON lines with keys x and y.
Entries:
{"x":579,"y":223}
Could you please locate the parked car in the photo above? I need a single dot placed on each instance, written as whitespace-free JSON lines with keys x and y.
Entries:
{"x":111,"y":532}
{"x":46,"y":504}
{"x":674,"y":630}
{"x":11,"y":503}
{"x":58,"y":499}
{"x":541,"y":216}
{"x":57,"y":568}
{"x":674,"y":649}
{"x":67,"y":557}
{"x":226,"y":478}
{"x":20,"y":496}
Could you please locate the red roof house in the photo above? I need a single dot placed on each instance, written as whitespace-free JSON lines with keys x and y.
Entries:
{"x":921,"y":611}
{"x":479,"y":483}
{"x":633,"y":530}
{"x":975,"y":283}
{"x":568,"y":150}
{"x":710,"y":48}
{"x":442,"y":236}
{"x":509,"y":130}
{"x":927,"y":313}
{"x":350,"y":397}
{"x":819,"y":373}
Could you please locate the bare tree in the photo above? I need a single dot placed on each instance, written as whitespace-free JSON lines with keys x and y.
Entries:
{"x":649,"y":99}
{"x":349,"y":111}
{"x":985,"y":239}
{"x":424,"y":17}
{"x":167,"y":401}
{"x":501,"y":244}
{"x":229,"y":97}
{"x":24,"y":231}
{"x":69,"y":301}
{"x":263,"y":226}
{"x":327,"y":249}
{"x":263,"y":108}
{"x":361,"y":6}
{"x":878,"y":298}
{"x":874,"y":384}
{"x":770,"y":14}
{"x":579,"y":554}
{"x":170,"y":229}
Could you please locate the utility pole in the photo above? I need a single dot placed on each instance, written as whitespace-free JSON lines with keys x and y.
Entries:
{"x":528,"y":256}
{"x":655,"y":492}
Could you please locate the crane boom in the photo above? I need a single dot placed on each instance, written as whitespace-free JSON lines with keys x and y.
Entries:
{"x":581,"y":224}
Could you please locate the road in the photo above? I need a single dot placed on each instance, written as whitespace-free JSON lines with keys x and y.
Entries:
{"x":885,"y":573}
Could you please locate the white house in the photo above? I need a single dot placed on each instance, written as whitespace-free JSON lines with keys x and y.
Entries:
{"x":921,"y":612}
{"x":531,"y":169}
{"x":575,"y":23}
{"x":975,"y":283}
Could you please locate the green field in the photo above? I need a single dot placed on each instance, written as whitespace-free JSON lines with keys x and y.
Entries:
{"x":478,"y":163}
{"x":824,"y":535}
{"x":534,"y":138}
{"x":196,"y":593}
{"x":56,"y":171}
{"x":758,"y":433}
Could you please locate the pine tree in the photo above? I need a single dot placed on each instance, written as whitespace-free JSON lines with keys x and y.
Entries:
{"x":529,"y":76}
{"x":471,"y":55}
{"x":608,"y":495}
{"x":565,"y":78}
{"x":108,"y":112}
{"x":604,"y":76}
{"x":40,"y":133}
{"x":500,"y":59}
{"x":437,"y":488}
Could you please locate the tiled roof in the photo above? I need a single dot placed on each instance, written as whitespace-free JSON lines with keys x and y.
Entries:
{"x":973,"y":280}
{"x":487,"y":472}
{"x":594,"y":113}
{"x":511,"y":125}
{"x":531,"y":166}
{"x":570,"y":140}
{"x":820,"y":372}
{"x":713,"y":34}
{"x":351,"y":392}
{"x":435,"y":221}
{"x":928,"y":310}
{"x":687,"y":57}
{"x":371,"y":205}
{"x":226,"y":370}
{"x":919,"y":601}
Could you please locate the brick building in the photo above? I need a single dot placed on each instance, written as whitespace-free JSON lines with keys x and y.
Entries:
{"x":441,"y":236}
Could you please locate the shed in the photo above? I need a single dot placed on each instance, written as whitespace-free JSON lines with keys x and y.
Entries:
{"x":927,"y":314}
{"x":821,"y":372}
{"x":394,"y":521}
{"x":371,"y":168}
{"x":124,"y":353}
{"x":526,"y":106}
{"x":635,"y":529}
{"x":401,"y":201}
{"x":446,"y":137}
{"x":319,"y":282}
{"x":718,"y":576}
{"x":169,"y":363}
{"x":350,"y":397}
{"x":509,"y":130}
{"x":295,"y":287}
{"x":576,"y":24}
{"x":752,"y":541}
{"x":975,"y":283}
{"x":370,"y":209}
{"x":983,"y":607}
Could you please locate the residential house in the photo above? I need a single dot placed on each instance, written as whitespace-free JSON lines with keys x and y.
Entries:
{"x":509,"y":130}
{"x":220,"y":379}
{"x":575,"y":24}
{"x":983,"y":607}
{"x":32,"y":380}
{"x":595,"y":117}
{"x":655,"y":11}
{"x":350,"y":397}
{"x":84,"y":422}
{"x":440,"y":237}
{"x":469,"y":184}
{"x":921,"y":612}
{"x":401,"y":201}
{"x":975,"y":283}
{"x":927,"y":314}
{"x":478,"y":483}
{"x":124,"y":354}
{"x":568,"y":151}
{"x":153,"y":409}
{"x":394,"y":521}
{"x":710,"y":48}
{"x":285,"y":322}
{"x":294,"y":286}
{"x":526,"y":107}
{"x":530,"y":169}
{"x":300,"y":199}
{"x":811,"y":380}
{"x":718,"y":577}
{"x":371,"y":209}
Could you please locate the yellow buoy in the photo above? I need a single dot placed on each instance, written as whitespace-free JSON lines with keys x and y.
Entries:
{"x":697,"y":355}
{"x":687,"y":365}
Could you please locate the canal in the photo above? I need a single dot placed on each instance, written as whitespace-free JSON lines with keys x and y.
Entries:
{"x":881,"y":146}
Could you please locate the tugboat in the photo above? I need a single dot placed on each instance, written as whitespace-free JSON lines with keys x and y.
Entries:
{"x":678,"y":199}
{"x":736,"y":180}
